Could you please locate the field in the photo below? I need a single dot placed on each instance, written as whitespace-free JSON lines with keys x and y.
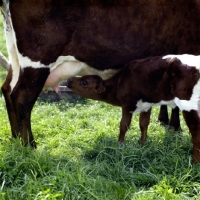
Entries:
{"x":78,"y":156}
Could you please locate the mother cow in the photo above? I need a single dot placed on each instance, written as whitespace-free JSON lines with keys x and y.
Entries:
{"x":52,"y":40}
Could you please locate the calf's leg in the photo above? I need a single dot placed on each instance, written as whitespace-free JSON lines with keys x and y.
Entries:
{"x":21,"y":99}
{"x":125,"y":123}
{"x":193,"y":122}
{"x":144,"y":123}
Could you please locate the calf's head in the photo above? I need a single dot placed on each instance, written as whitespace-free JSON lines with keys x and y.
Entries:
{"x":183,"y":78}
{"x":89,"y":86}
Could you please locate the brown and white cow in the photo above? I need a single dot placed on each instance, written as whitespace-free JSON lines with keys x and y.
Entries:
{"x":170,"y":80}
{"x":51,"y":40}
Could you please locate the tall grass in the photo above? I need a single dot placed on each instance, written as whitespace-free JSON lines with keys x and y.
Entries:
{"x":78,"y":156}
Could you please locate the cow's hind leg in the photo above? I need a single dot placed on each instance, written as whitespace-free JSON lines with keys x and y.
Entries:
{"x":193,"y":122}
{"x":21,"y":100}
{"x":144,"y":123}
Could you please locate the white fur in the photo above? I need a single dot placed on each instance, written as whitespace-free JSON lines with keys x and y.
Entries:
{"x":187,"y":59}
{"x":193,"y":103}
{"x":25,"y":62}
{"x":11,"y":43}
{"x":145,"y":106}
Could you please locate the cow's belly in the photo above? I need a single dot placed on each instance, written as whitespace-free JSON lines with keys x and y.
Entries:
{"x":64,"y":68}
{"x":67,"y":66}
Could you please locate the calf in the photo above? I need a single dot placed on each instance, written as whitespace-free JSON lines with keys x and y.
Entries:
{"x":170,"y":80}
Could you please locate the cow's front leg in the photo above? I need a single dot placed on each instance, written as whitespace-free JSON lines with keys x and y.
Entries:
{"x":21,"y":100}
{"x":175,"y":119}
{"x":193,"y":122}
{"x":144,"y":123}
{"x":163,"y":115}
{"x":125,"y":123}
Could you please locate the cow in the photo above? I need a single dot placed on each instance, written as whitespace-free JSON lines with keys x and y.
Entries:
{"x":52,"y":40}
{"x":170,"y":80}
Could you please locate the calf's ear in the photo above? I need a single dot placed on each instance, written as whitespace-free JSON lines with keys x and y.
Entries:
{"x":100,"y":88}
{"x":174,"y":67}
{"x":174,"y":73}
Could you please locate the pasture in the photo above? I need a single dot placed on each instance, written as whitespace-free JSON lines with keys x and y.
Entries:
{"x":78,"y":156}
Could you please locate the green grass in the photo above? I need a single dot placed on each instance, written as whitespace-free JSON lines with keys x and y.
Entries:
{"x":78,"y":156}
{"x":3,"y":50}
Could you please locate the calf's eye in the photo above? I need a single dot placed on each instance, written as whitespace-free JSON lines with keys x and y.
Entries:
{"x":83,"y":83}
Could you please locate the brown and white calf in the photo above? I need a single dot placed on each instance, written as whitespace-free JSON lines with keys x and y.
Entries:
{"x":51,"y":40}
{"x":141,"y":84}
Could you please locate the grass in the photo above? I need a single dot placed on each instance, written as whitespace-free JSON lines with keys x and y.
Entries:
{"x":78,"y":156}
{"x":3,"y":50}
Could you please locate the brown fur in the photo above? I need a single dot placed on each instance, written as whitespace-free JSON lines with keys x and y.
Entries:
{"x":151,"y":80}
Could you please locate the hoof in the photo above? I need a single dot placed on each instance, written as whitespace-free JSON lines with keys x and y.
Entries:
{"x":33,"y":145}
{"x":120,"y":145}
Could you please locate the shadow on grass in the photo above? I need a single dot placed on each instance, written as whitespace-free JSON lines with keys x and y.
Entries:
{"x":142,"y":165}
{"x":64,"y":104}
{"x":104,"y":166}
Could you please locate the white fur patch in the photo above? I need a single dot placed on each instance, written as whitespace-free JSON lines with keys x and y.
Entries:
{"x":193,"y":103}
{"x":145,"y":106}
{"x":27,"y":62}
{"x":187,"y":59}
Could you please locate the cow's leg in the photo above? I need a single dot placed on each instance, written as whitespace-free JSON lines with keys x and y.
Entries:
{"x":144,"y":123}
{"x":6,"y":90}
{"x":163,"y":115}
{"x":21,"y":100}
{"x":175,"y":119}
{"x":193,"y":122}
{"x":125,"y":123}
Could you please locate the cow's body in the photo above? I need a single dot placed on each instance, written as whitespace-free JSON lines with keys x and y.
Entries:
{"x":68,"y":38}
{"x":170,"y":80}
